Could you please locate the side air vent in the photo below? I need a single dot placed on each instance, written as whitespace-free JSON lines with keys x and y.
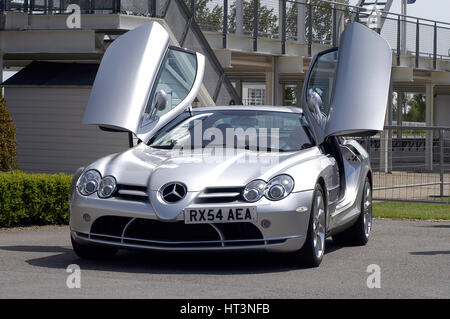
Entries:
{"x":220,"y":195}
{"x":131,"y":192}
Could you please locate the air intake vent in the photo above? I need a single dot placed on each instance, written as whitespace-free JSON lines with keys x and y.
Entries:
{"x":132,"y":192}
{"x":220,"y":195}
{"x":150,"y":233}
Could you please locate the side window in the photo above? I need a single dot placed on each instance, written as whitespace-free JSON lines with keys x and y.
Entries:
{"x":175,"y":78}
{"x":322,"y":78}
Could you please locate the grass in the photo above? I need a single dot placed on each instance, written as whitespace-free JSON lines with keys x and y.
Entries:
{"x":402,"y":210}
{"x":443,"y":199}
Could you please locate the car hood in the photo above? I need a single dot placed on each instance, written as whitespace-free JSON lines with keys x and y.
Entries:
{"x":146,"y":166}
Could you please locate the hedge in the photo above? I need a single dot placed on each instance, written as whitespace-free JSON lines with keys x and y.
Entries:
{"x":34,"y":199}
{"x":8,"y":142}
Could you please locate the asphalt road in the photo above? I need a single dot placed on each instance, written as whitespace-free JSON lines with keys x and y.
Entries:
{"x":414,"y":259}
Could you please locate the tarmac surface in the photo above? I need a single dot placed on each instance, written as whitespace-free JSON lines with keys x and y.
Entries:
{"x":413,"y":256}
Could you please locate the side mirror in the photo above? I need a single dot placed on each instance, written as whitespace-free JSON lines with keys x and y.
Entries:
{"x":314,"y":105}
{"x":161,"y":100}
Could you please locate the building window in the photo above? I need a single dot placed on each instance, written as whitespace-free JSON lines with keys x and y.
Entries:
{"x":253,"y":93}
{"x":256,"y":96}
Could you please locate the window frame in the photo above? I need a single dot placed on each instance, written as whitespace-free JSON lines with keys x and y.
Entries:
{"x":148,"y":109}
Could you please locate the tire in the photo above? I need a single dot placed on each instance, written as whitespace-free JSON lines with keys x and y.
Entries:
{"x":311,"y":254}
{"x":358,"y":234}
{"x":92,"y":252}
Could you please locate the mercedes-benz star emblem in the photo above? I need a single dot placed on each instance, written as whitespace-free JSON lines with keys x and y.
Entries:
{"x":173,"y":192}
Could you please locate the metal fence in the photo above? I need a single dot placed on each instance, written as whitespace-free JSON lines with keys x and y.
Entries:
{"x":321,"y":22}
{"x":285,"y":21}
{"x":410,"y":163}
{"x":59,"y":6}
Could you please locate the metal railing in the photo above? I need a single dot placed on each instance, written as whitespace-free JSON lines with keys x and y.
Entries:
{"x":306,"y":22}
{"x":410,"y":163}
{"x":60,"y":6}
{"x":321,"y":22}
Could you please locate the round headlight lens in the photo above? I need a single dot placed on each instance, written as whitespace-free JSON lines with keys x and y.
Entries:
{"x":276,"y":192}
{"x":254,"y":190}
{"x":107,"y":187}
{"x":279,"y":187}
{"x":89,"y":182}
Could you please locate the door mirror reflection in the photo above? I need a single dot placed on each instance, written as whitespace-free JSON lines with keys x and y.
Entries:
{"x":161,"y":100}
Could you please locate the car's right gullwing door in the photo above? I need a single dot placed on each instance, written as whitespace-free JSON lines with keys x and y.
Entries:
{"x":143,"y":82}
{"x":346,"y":89}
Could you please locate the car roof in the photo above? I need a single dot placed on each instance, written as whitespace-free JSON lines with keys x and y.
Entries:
{"x":269,"y":108}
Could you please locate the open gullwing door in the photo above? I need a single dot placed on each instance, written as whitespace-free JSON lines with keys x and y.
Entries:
{"x":346,"y":89}
{"x":143,"y":82}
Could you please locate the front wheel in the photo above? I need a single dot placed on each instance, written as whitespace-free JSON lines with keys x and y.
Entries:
{"x":311,"y":254}
{"x":359,"y":233}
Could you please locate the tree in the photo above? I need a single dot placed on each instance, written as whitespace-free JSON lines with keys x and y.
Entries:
{"x":267,"y":20}
{"x":322,"y":20}
{"x":210,"y":19}
{"x":290,"y":96}
{"x":412,"y":108}
{"x":8,"y":143}
{"x":398,"y":108}
{"x":416,"y":112}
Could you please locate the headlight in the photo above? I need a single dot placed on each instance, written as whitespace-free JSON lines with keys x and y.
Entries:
{"x":107,"y":187}
{"x":254,"y":190}
{"x":88,"y":182}
{"x":279,"y":187}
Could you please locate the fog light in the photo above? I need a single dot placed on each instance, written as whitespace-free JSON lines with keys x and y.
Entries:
{"x":265,"y":223}
{"x":87,"y":218}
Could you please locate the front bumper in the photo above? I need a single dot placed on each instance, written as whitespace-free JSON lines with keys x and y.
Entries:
{"x":132,"y":224}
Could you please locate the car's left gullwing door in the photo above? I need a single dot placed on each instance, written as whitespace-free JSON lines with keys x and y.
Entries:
{"x":143,"y":82}
{"x":346,"y":91}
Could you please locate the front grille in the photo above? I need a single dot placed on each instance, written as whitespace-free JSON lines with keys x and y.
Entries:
{"x":110,"y":225}
{"x":220,"y":195}
{"x":131,"y":192}
{"x":176,"y":231}
{"x":157,"y":234}
{"x":238,"y":231}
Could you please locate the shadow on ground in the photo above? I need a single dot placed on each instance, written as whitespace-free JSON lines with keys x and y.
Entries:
{"x":220,"y":263}
{"x":436,"y":226}
{"x":430,"y":253}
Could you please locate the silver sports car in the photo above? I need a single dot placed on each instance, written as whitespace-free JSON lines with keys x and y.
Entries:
{"x":234,"y":177}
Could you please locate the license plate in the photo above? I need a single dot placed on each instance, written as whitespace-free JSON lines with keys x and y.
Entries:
{"x":219,"y":215}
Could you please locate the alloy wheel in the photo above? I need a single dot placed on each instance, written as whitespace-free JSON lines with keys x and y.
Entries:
{"x":367,"y":209}
{"x":319,"y":225}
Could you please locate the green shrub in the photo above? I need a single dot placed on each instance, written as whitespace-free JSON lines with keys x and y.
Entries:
{"x":34,"y":199}
{"x":8,"y":143}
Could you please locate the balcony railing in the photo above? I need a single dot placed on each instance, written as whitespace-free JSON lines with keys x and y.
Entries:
{"x":286,"y":21}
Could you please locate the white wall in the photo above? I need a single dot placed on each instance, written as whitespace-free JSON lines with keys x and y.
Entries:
{"x":442,"y":112}
{"x":51,"y":138}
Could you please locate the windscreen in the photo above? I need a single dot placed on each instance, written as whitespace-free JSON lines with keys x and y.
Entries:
{"x":248,"y":129}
